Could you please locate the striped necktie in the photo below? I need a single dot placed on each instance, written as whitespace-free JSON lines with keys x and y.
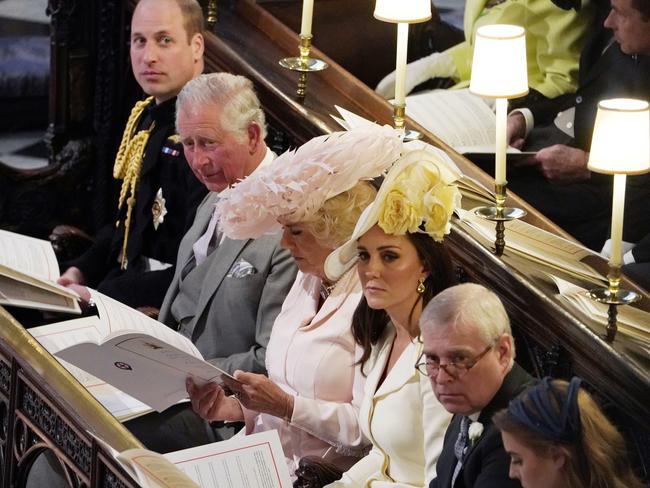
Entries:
{"x":460,"y":447}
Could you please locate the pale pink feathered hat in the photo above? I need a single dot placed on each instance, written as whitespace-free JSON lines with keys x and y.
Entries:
{"x":295,"y":185}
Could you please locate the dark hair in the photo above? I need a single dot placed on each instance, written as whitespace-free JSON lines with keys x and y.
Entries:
{"x":595,"y":450}
{"x":643,"y":6}
{"x":369,"y":324}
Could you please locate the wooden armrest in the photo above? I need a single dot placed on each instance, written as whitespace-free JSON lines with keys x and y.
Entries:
{"x":151,"y":312}
{"x":69,"y":242}
{"x":313,"y":472}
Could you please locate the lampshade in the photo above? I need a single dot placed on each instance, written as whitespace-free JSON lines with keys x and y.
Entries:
{"x":621,"y":139}
{"x":499,"y":64}
{"x":410,"y":11}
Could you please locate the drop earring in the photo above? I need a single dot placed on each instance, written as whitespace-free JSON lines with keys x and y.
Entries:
{"x":421,"y":288}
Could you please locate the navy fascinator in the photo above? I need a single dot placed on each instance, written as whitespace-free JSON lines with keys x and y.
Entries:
{"x":550,"y":411}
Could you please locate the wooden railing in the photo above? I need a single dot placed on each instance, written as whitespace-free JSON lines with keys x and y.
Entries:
{"x":43,"y":409}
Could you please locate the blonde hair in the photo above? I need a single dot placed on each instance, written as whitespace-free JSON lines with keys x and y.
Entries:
{"x":598,"y":459}
{"x":333,"y":223}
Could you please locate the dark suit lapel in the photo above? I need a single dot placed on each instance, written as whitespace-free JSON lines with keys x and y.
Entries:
{"x":602,"y":63}
{"x":514,"y":382}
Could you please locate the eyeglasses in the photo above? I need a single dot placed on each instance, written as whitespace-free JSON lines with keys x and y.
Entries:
{"x":456,"y":370}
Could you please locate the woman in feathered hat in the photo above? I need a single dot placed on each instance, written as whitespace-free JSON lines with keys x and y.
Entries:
{"x":402,"y":264}
{"x":313,"y":389}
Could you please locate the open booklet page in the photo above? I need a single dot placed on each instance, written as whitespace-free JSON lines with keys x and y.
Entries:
{"x":144,"y":358}
{"x":252,"y":461}
{"x":28,"y":274}
{"x":456,"y":116}
{"x":538,"y":245}
{"x":141,"y":356}
{"x":463,"y":120}
{"x":55,"y":337}
{"x":244,"y":461}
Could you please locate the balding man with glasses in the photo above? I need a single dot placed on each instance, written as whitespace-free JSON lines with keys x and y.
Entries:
{"x":469,"y":355}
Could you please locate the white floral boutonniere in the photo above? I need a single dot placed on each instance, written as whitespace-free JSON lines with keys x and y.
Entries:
{"x":475,"y":431}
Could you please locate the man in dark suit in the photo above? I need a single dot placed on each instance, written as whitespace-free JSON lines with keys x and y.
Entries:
{"x":469,"y":356}
{"x":613,"y":64}
{"x":225,"y":293}
{"x":132,"y":257}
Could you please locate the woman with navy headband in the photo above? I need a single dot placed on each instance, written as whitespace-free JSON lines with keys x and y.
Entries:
{"x":558,"y":437}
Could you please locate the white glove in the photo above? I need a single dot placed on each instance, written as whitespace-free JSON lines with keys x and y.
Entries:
{"x":436,"y":65}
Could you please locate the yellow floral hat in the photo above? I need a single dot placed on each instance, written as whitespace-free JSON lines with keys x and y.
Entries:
{"x":416,"y":196}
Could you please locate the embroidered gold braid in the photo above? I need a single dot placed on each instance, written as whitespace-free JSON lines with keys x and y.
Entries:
{"x":127,"y":168}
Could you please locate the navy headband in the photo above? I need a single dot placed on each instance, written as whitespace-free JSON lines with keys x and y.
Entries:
{"x":540,"y":413}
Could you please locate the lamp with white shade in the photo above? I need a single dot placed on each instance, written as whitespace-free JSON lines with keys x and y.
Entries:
{"x":620,"y":146}
{"x":304,"y":63}
{"x":499,"y":71}
{"x":402,"y":13}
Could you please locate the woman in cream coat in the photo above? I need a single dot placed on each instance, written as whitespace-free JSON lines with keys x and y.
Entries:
{"x":401,"y":268}
{"x":313,"y":389}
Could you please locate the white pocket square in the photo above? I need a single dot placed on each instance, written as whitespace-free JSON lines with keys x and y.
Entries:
{"x":241,"y":269}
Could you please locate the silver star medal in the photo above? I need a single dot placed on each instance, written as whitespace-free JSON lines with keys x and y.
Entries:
{"x":158,"y":209}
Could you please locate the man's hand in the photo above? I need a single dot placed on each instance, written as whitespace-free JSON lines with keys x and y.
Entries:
{"x":211,"y":403}
{"x":73,"y":278}
{"x":257,"y":392}
{"x":563,"y":164}
{"x":516,"y":130}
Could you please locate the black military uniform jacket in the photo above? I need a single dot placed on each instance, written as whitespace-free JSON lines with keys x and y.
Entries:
{"x":163,"y":168}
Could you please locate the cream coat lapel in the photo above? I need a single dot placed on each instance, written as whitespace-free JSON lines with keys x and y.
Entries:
{"x":402,"y":371}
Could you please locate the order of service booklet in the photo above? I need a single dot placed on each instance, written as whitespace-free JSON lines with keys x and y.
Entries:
{"x":244,"y":461}
{"x":28,"y":274}
{"x":129,"y":362}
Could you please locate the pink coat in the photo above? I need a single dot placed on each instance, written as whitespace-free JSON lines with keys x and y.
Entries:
{"x":311,"y":356}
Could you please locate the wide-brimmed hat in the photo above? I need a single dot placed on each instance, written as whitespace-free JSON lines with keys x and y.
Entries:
{"x":415,"y":196}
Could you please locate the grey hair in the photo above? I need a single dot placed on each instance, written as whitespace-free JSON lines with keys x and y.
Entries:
{"x":468,"y":305}
{"x":235,"y":96}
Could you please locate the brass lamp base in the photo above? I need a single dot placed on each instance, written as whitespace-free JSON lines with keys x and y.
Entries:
{"x":613,"y":296}
{"x":506,"y":214}
{"x":399,"y":114}
{"x":500,"y":214}
{"x":304,"y":64}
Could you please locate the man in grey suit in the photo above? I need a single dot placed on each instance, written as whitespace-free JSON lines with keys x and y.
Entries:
{"x":225,"y":294}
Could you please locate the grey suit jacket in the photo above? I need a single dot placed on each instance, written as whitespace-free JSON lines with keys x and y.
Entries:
{"x":234,"y":316}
